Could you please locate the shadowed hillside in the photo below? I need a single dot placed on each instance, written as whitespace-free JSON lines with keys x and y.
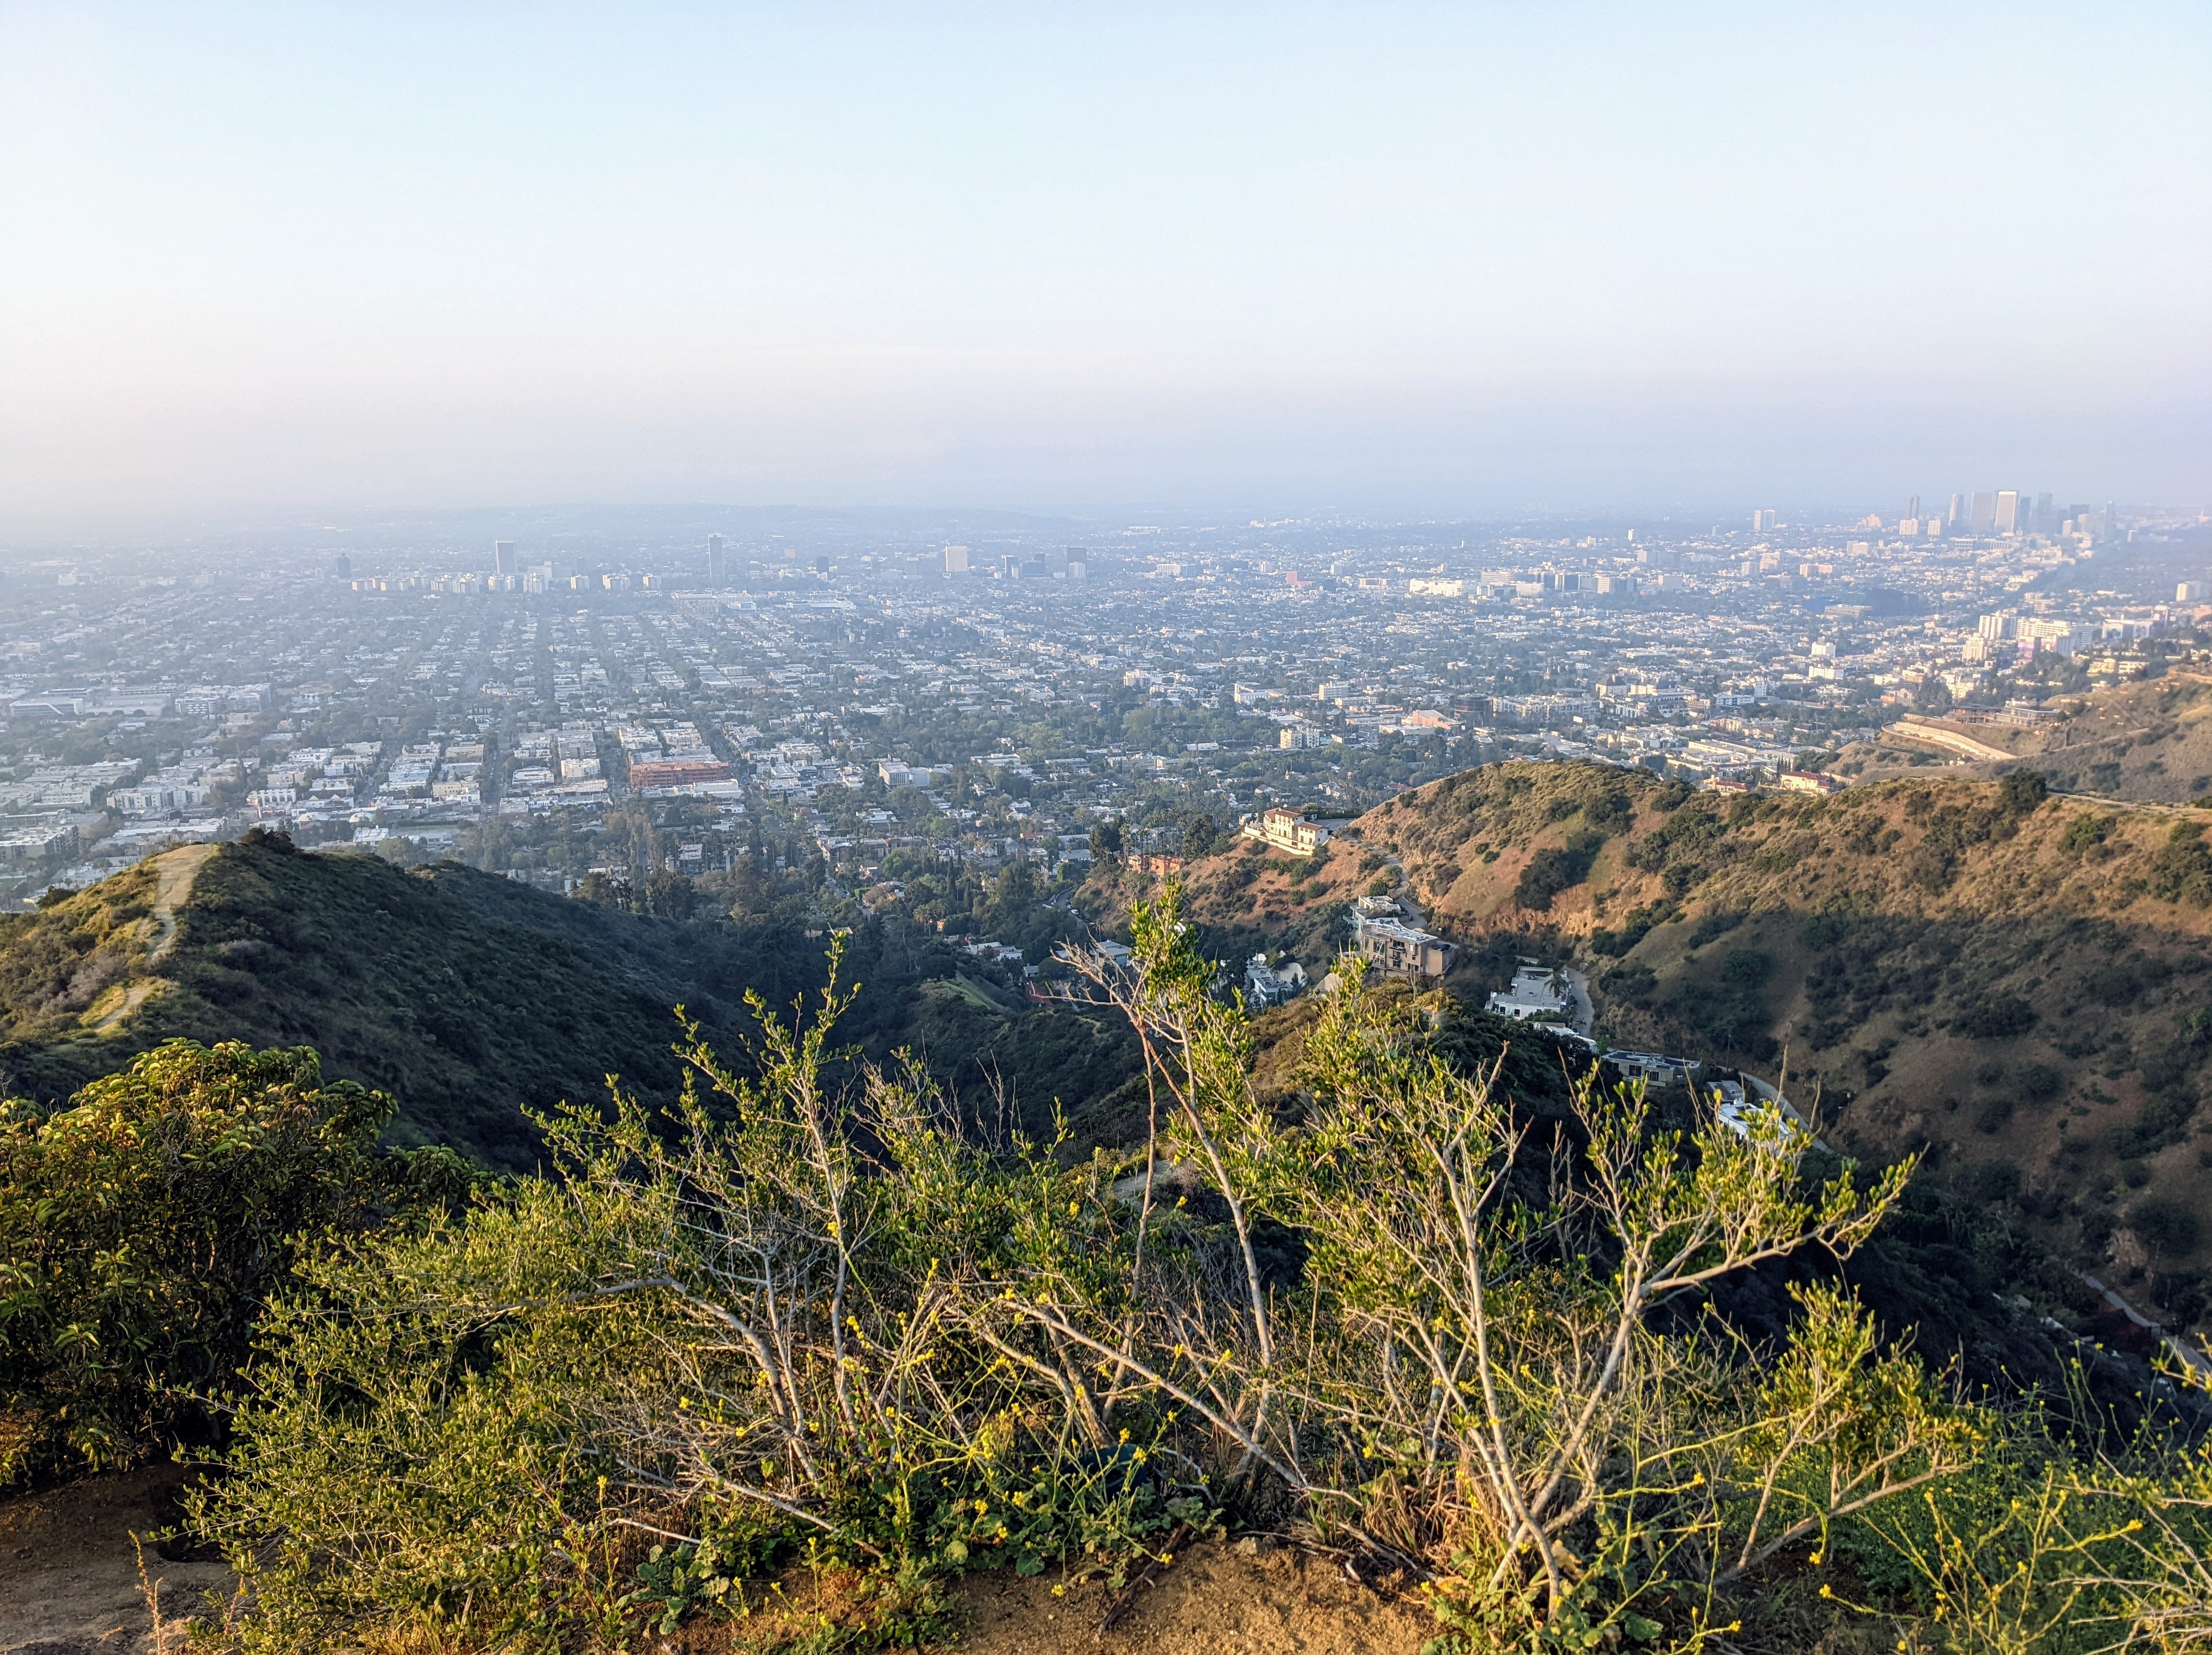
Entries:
{"x":471,"y":997}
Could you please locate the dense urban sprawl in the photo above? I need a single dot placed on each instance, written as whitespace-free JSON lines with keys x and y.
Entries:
{"x":869,"y":705}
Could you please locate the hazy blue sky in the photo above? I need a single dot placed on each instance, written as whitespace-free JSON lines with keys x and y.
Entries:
{"x":1445,"y":257}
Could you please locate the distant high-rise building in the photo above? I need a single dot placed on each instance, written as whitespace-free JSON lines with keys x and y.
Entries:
{"x":1958,"y":510}
{"x":342,"y":566}
{"x":2112,"y":527}
{"x":718,"y":567}
{"x":956,"y":560}
{"x":1984,"y":519}
{"x":1764,"y":519}
{"x":2007,"y":520}
{"x":1912,"y":506}
{"x":503,"y":559}
{"x":2044,"y":522}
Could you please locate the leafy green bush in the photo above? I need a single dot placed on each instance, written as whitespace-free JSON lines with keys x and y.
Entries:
{"x":2086,"y":833}
{"x":1714,"y":922}
{"x":2170,"y":1229}
{"x":1638,"y":926}
{"x":736,"y":1330}
{"x":141,"y":1227}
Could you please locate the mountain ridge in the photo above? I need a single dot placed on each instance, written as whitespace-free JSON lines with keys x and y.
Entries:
{"x":471,"y":997}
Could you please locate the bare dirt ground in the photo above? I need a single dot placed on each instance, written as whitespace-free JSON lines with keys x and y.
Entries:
{"x":69,"y":1584}
{"x":68,"y":1574}
{"x":1215,"y":1600}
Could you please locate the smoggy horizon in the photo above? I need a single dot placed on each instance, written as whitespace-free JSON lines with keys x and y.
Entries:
{"x":1418,"y":262}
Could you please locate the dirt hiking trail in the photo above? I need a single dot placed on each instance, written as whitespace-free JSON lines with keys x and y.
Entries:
{"x":68,"y":1574}
{"x":180,"y":867}
{"x":1236,"y":1599}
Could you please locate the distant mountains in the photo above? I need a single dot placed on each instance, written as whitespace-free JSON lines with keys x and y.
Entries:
{"x":471,"y":997}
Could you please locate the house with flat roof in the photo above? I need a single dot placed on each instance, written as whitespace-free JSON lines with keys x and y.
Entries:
{"x":1398,"y":949}
{"x":1538,"y":995}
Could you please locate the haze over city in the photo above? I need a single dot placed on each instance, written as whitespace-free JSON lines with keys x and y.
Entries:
{"x":1405,"y":258}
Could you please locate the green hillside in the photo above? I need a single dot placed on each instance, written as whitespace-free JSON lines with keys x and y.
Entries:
{"x":471,"y":997}
{"x":2014,"y":983}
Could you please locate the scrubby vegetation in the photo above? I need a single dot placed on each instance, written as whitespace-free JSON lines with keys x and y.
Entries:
{"x":802,"y":1328}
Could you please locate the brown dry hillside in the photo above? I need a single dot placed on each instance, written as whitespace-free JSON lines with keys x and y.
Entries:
{"x":2150,"y":742}
{"x":2017,"y":985}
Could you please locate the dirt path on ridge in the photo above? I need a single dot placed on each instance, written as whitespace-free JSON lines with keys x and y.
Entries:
{"x":180,"y":867}
{"x":177,"y":870}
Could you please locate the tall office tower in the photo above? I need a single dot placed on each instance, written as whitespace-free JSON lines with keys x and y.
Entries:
{"x":502,"y":558}
{"x":1985,"y":511}
{"x":956,"y":560}
{"x":343,"y":568}
{"x":2044,"y":522}
{"x":1912,"y":506}
{"x":2112,"y":528}
{"x":1764,"y":519}
{"x":1958,"y":510}
{"x":2008,"y":514}
{"x":718,"y":567}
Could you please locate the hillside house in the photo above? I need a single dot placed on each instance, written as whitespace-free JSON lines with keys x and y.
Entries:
{"x":1287,"y":830}
{"x":1538,"y":995}
{"x":1397,"y":949}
